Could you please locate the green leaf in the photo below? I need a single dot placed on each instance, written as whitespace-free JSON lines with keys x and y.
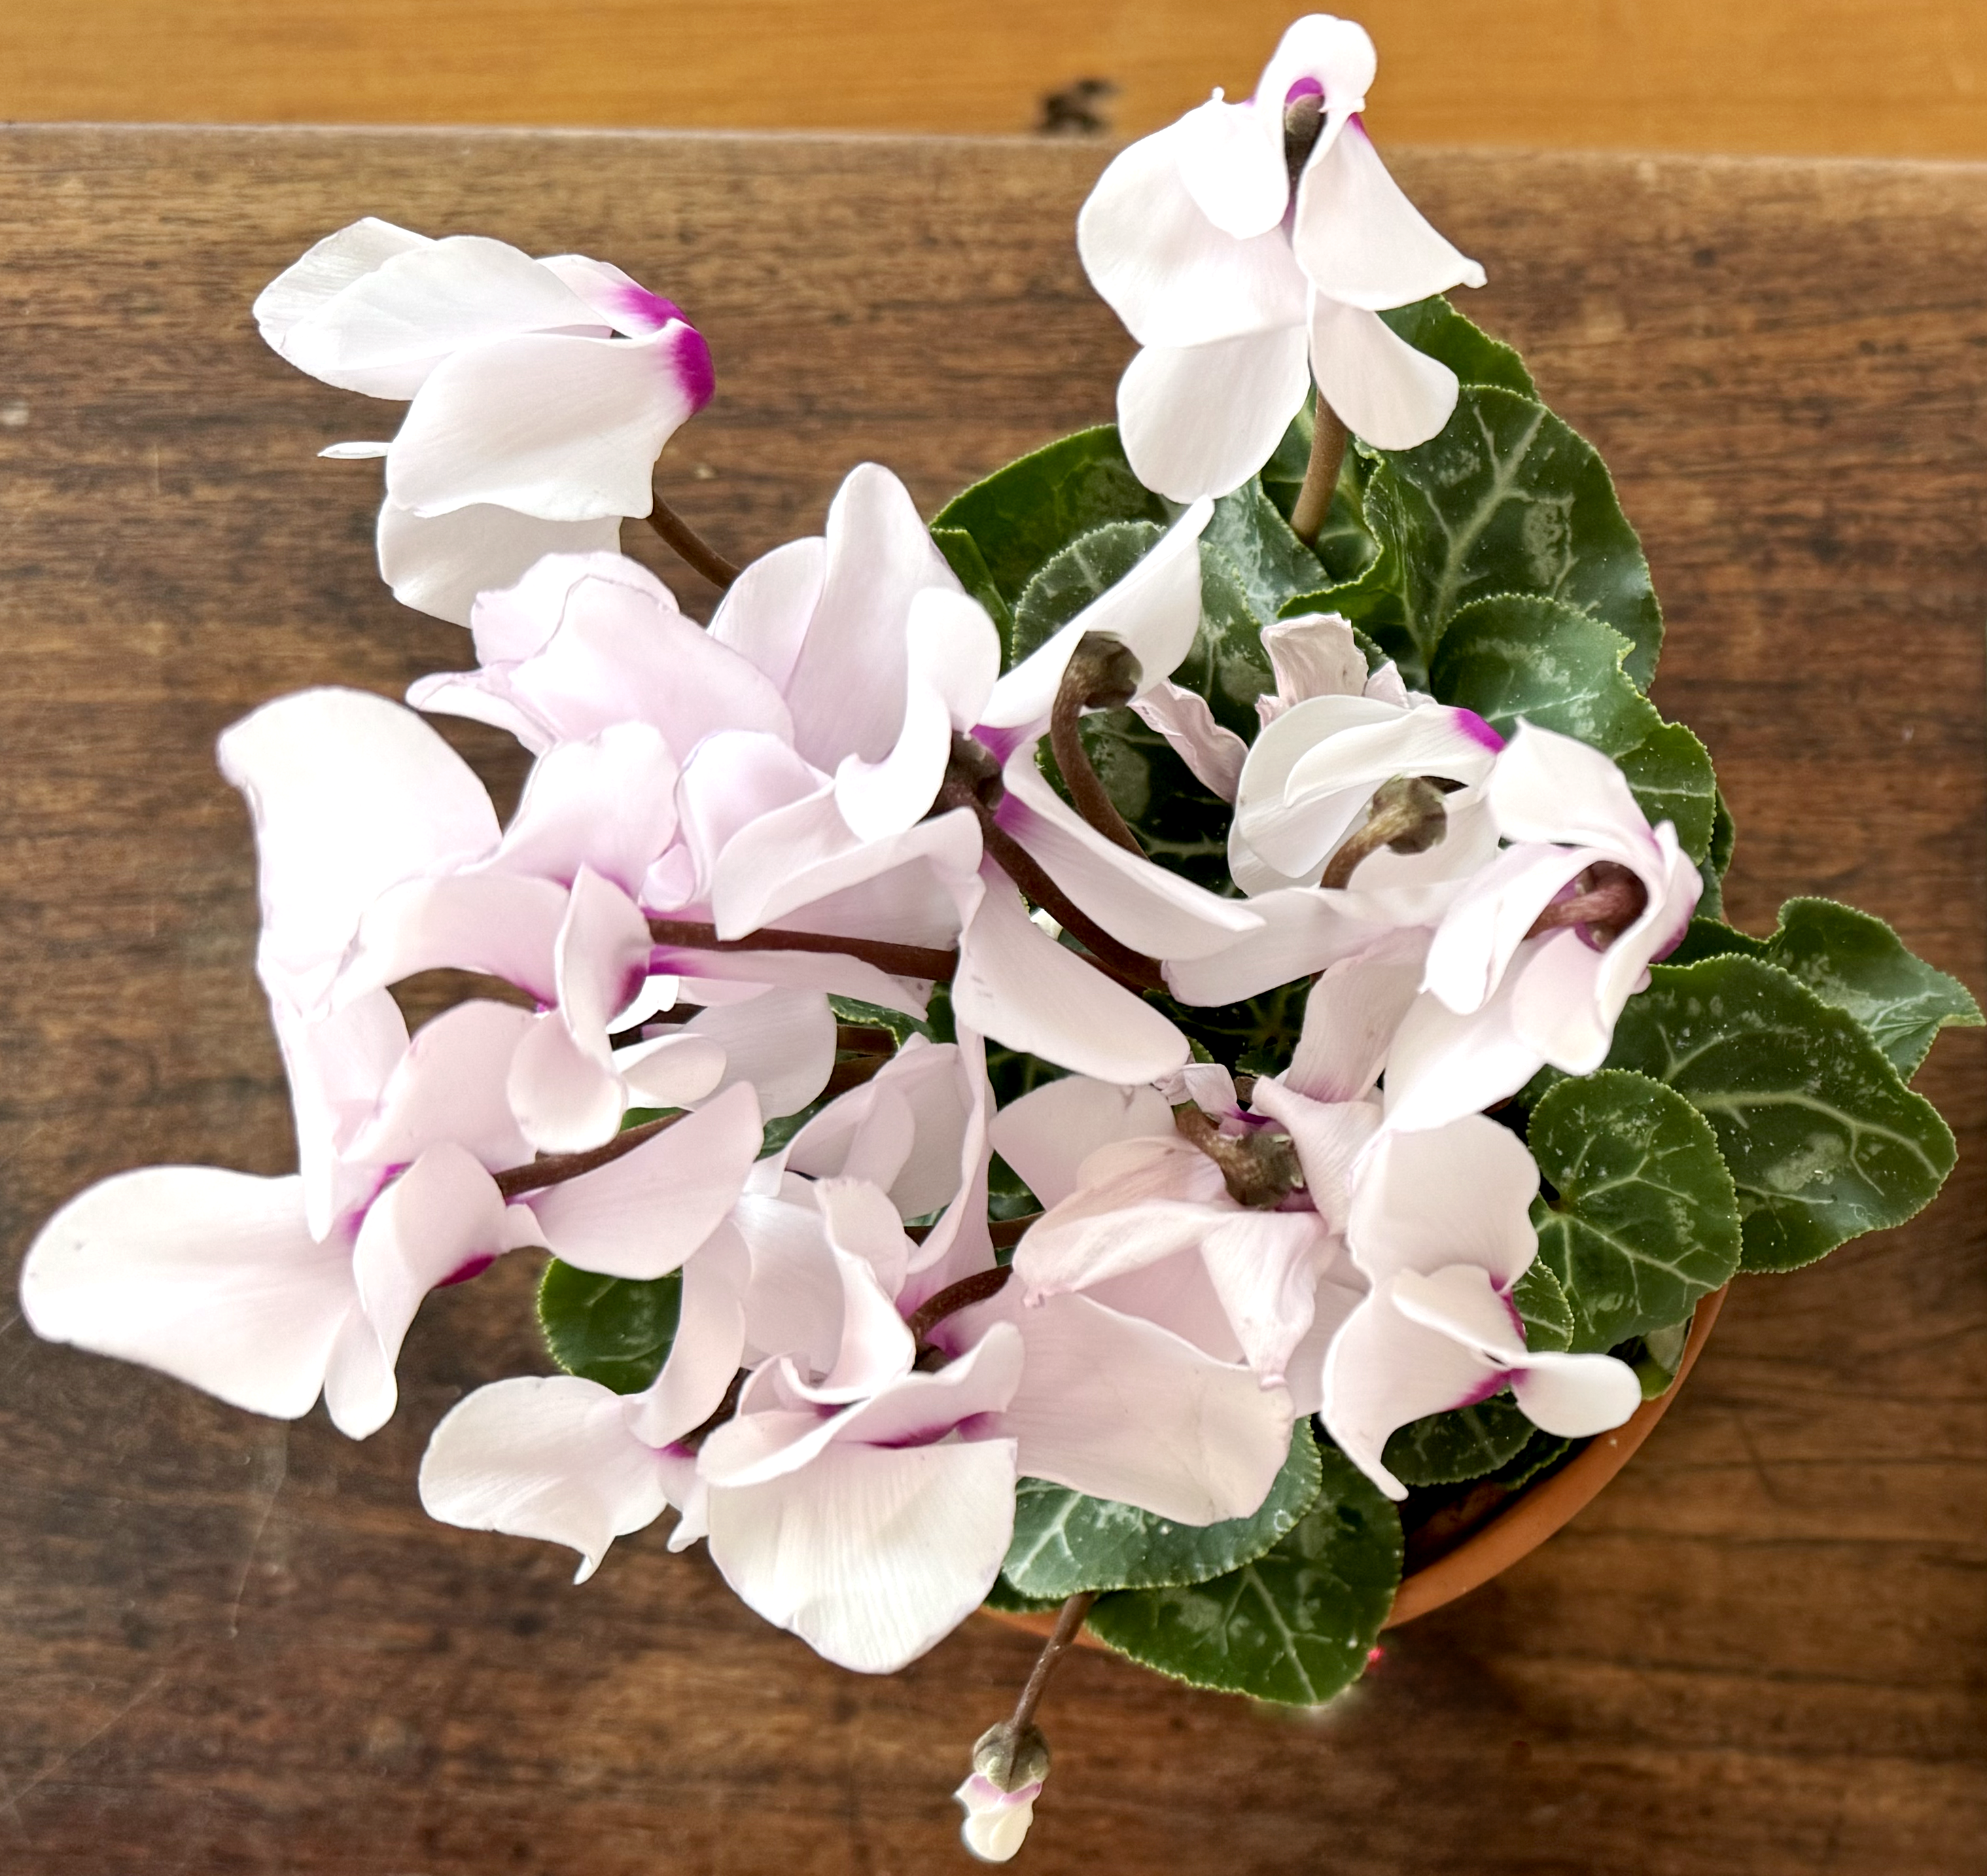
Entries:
{"x":1520,"y":655}
{"x":1435,"y":326}
{"x":1645,"y":1220}
{"x":1670,"y":775}
{"x":962,"y":555}
{"x":1464,"y":1442}
{"x":1506,"y":500}
{"x":1297,"y":1624}
{"x":1064,"y":1542}
{"x":1655,"y":1356}
{"x":1541,"y":1453}
{"x":1857,"y":963}
{"x":1542,"y":1308}
{"x":1823,"y":1138}
{"x":613,"y":1330}
{"x":1273,"y":565}
{"x":1022,"y":515}
{"x":1724,"y":837}
{"x":1010,"y":1601}
{"x":1091,"y":564}
{"x":1181,"y":823}
{"x":1254,"y":1037}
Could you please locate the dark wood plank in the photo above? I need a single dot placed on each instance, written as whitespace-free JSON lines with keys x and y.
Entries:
{"x":231,"y":1645}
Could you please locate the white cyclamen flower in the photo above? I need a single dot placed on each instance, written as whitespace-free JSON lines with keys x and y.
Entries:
{"x":541,"y":393}
{"x":1247,"y":265}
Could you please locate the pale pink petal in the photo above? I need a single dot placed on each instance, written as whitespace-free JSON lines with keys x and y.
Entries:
{"x":675,"y":1069}
{"x":709,"y":1343}
{"x":1465,"y":1302}
{"x":1457,"y":1194}
{"x":901,"y":1130}
{"x":1555,"y":1004}
{"x":1122,"y":1409}
{"x":1383,"y":1371}
{"x":1201,"y":420}
{"x":337,"y":1066}
{"x":546,"y":1456}
{"x":1214,"y":754}
{"x":448,"y":1085}
{"x":1264,"y":1266}
{"x":794,"y":1302}
{"x":1547,"y":787}
{"x":1385,"y":392}
{"x":952,"y":659}
{"x":997,"y":1821}
{"x":485,"y":922}
{"x":304,"y":288}
{"x":385,"y":333}
{"x":1443,"y":1066}
{"x":564,"y":427}
{"x":782,"y":1042}
{"x":1574,"y":1396}
{"x":1168,"y":272}
{"x":1145,"y":906}
{"x":1484,"y":933}
{"x":520,"y":620}
{"x":1329,"y":1137}
{"x":438,"y":564}
{"x":642,"y":1215}
{"x":1138,"y":1200}
{"x":1315,"y":655}
{"x":1231,"y":162}
{"x":734,"y":779}
{"x":1336,"y":57}
{"x":1355,"y":1007}
{"x":442,"y":1219}
{"x":1016,"y":985}
{"x":1360,"y":240}
{"x":350,"y":794}
{"x":1177,"y":1294}
{"x":840,"y":977}
{"x":794,"y":858}
{"x":1154,"y":611}
{"x":847,"y":688}
{"x":607,"y":804}
{"x":207,"y":1276}
{"x":1048,"y":1134}
{"x":566,"y":1098}
{"x":870,"y":1556}
{"x":765,"y":613}
{"x":617,"y":297}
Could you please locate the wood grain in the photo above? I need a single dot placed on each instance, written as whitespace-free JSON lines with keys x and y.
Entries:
{"x":229,"y":1645}
{"x":1896,"y":78}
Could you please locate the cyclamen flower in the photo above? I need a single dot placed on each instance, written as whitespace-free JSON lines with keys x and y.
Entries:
{"x":541,"y":393}
{"x":1250,"y":248}
{"x":1310,"y":774}
{"x":861,"y":1499}
{"x":853,"y":669}
{"x":1613,"y":893}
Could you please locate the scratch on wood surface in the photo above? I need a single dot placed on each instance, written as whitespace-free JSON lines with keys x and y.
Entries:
{"x":10,"y":1800}
{"x":272,"y":1466}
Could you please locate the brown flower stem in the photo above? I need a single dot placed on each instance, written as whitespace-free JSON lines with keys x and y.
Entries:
{"x":900,"y":960}
{"x":556,"y":1168}
{"x":1407,"y":816}
{"x":1069,"y":1620}
{"x":690,"y":545}
{"x":1611,"y":900}
{"x":1101,"y":674}
{"x":977,"y":1288}
{"x":865,"y":1039}
{"x":1320,"y":482}
{"x":1259,"y":1169}
{"x":852,"y":1072}
{"x":1133,"y":969}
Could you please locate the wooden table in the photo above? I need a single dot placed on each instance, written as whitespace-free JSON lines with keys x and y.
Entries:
{"x":228,"y":1645}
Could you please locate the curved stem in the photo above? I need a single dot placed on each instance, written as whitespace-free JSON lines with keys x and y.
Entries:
{"x":977,"y":1288}
{"x":690,"y":545}
{"x":1407,"y":816}
{"x":1327,"y":454}
{"x":556,"y":1168}
{"x":1613,"y":900}
{"x":1101,"y":674}
{"x":1133,"y":969}
{"x":899,"y":961}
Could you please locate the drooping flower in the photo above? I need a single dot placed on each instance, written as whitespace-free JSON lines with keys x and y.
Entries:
{"x":1250,"y":248}
{"x":1440,"y":1226}
{"x":541,"y":393}
{"x":1535,"y":959}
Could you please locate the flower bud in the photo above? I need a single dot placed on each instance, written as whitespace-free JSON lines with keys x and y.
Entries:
{"x":1008,"y":1769}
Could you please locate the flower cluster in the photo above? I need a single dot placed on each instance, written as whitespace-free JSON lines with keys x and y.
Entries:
{"x":1001,"y":1041}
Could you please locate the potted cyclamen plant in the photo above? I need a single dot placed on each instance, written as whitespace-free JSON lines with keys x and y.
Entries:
{"x":1138,"y":1053}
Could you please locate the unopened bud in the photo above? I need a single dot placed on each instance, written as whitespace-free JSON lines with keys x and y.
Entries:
{"x":1008,"y":1768}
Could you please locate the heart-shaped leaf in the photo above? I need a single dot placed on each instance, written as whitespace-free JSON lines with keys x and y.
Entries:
{"x":614,"y":1330}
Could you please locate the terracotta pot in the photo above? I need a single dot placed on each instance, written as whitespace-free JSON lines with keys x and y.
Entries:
{"x":1517,"y":1528}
